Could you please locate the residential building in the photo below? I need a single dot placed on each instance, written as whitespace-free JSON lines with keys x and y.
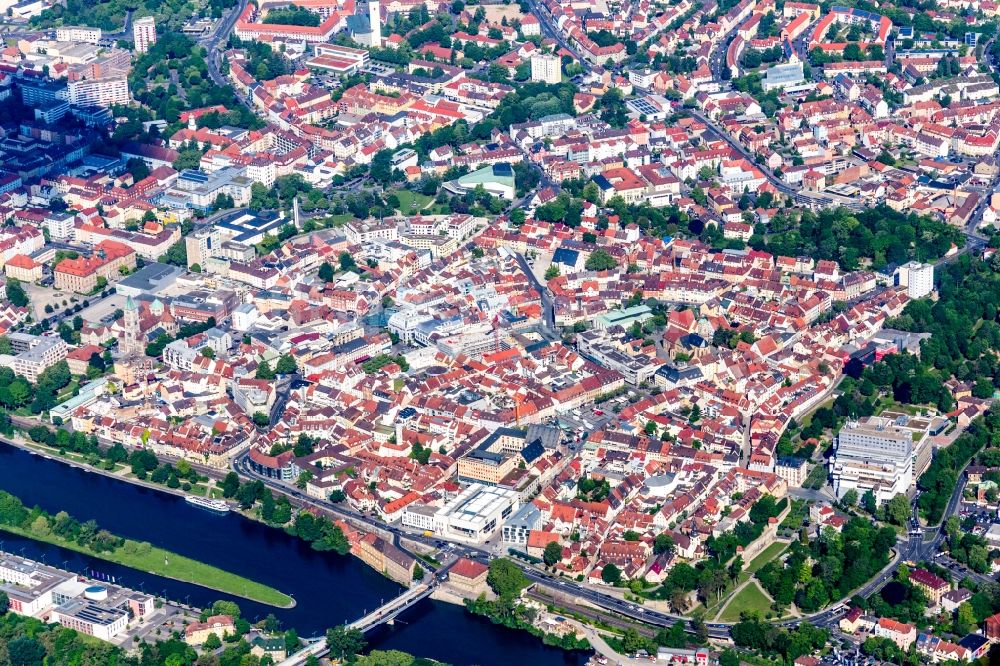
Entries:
{"x":932,"y":585}
{"x":916,"y":277}
{"x":900,"y":633}
{"x":144,"y":33}
{"x":546,"y":67}
{"x":103,"y":92}
{"x":33,"y":354}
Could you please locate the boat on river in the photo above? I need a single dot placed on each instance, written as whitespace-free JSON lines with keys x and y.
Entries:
{"x":216,"y":505}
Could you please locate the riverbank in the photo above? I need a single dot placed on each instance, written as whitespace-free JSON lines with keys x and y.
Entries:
{"x":134,"y":554}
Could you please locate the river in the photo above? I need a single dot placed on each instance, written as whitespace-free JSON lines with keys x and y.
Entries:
{"x":328,"y":589}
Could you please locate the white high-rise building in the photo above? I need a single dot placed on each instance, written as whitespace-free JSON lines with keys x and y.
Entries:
{"x":874,"y":454}
{"x":144,"y":33}
{"x":546,"y":67}
{"x":917,"y":278}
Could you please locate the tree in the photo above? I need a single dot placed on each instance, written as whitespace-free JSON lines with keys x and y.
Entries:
{"x":344,"y":642}
{"x":212,"y":642}
{"x":674,"y":637}
{"x":4,"y":603}
{"x":261,"y":420}
{"x":506,"y":579}
{"x":897,"y":510}
{"x":611,"y":574}
{"x":868,"y":502}
{"x":286,"y":365}
{"x":600,"y":260}
{"x":325,"y":272}
{"x":16,"y":294}
{"x":552,"y":553}
{"x":631,"y":641}
{"x":138,"y":168}
{"x":552,"y":272}
{"x":264,"y":371}
{"x":663,"y":544}
{"x":230,"y":484}
{"x":965,"y":619}
{"x":736,"y":568}
{"x":25,"y":651}
{"x":729,"y":658}
{"x":850,"y":499}
{"x":347,"y":262}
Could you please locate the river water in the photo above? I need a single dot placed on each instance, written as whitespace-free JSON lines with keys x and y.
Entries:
{"x":328,"y":589}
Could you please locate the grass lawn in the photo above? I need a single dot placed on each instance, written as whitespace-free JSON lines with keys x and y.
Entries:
{"x":411,"y":202}
{"x":67,"y":392}
{"x":340,"y":220}
{"x":750,"y":599}
{"x":769,"y":553}
{"x":164,"y":563}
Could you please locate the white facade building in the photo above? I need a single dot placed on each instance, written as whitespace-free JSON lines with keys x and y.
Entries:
{"x":98,"y":92}
{"x":144,"y":33}
{"x":546,"y":67}
{"x":874,"y":455}
{"x":917,"y":278}
{"x":78,"y":33}
{"x":476,"y":513}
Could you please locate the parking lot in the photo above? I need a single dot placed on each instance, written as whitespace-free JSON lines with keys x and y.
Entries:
{"x":102,"y":311}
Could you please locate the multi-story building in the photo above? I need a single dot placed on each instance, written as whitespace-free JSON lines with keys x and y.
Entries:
{"x":792,"y":470}
{"x":469,"y":576}
{"x":33,"y":354}
{"x":144,"y":33}
{"x":383,"y":556}
{"x":179,"y":355}
{"x":81,"y":274}
{"x":476,"y":513}
{"x":102,"y":92}
{"x":874,"y":455}
{"x":932,"y":585}
{"x":91,"y":618}
{"x":216,"y":625}
{"x":29,"y":586}
{"x":519,"y":525}
{"x":60,"y":225}
{"x":484,"y":466}
{"x":546,"y":67}
{"x":78,"y":33}
{"x":916,"y":277}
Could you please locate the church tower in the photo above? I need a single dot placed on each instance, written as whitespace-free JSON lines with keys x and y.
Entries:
{"x":130,"y":343}
{"x":375,"y":22}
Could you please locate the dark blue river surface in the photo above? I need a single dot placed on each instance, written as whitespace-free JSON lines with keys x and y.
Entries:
{"x":328,"y":589}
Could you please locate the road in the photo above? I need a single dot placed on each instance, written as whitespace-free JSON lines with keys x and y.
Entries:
{"x":548,"y":309}
{"x":215,"y":42}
